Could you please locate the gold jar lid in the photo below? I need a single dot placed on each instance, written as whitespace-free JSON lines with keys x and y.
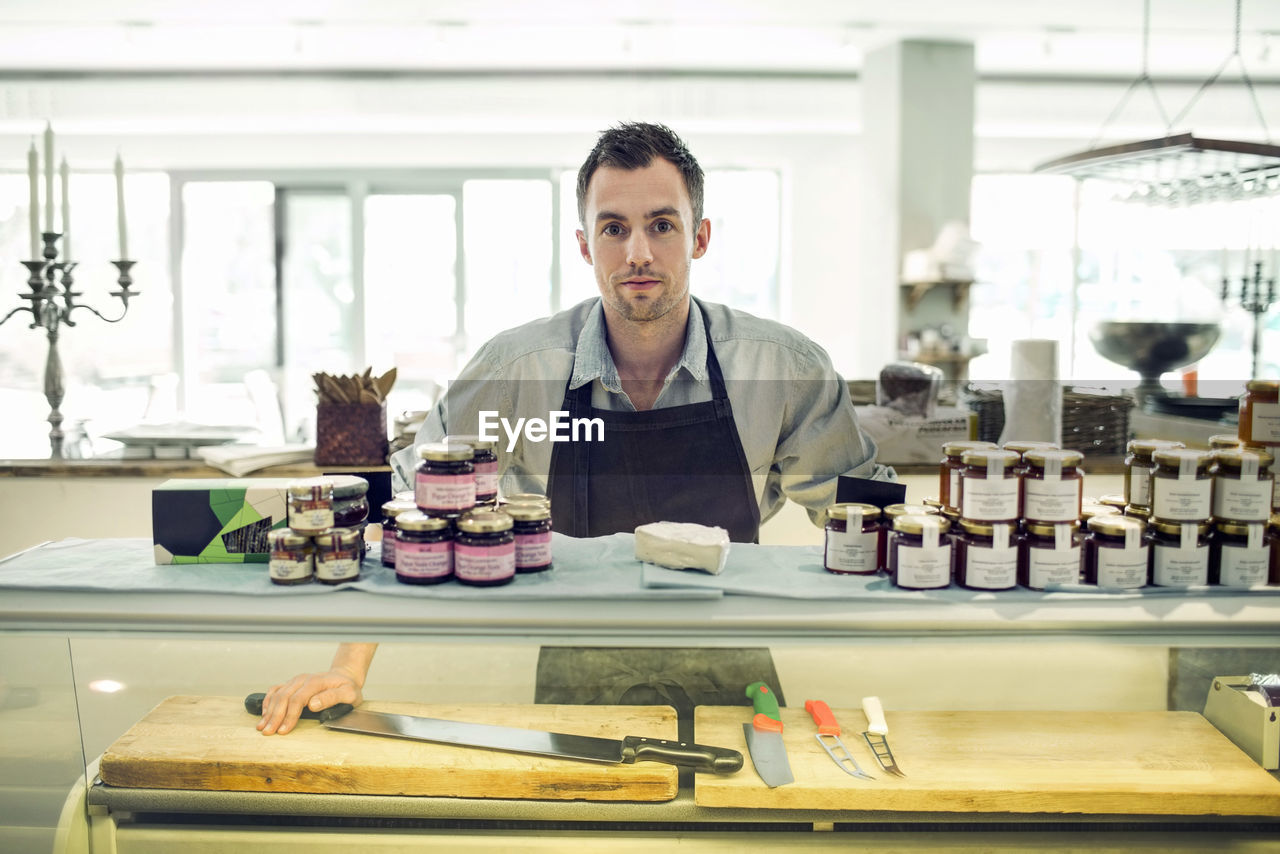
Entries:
{"x":484,"y":522}
{"x":416,"y":520}
{"x":1168,"y":526}
{"x":1112,"y":499}
{"x":1021,"y":446}
{"x":527,"y":512}
{"x":310,"y":488}
{"x":1133,"y":511}
{"x":841,"y":511}
{"x":1274,"y":522}
{"x":335,"y":538}
{"x":476,"y":442}
{"x":407,"y":495}
{"x":445,"y":452}
{"x":1235,"y":458}
{"x":1241,"y":529}
{"x":526,"y":498}
{"x":985,"y":457}
{"x":1147,"y":447}
{"x":895,"y":510}
{"x":915,"y":523}
{"x":955,"y":449}
{"x":1176,"y":457}
{"x":1047,"y":529}
{"x":985,"y":529}
{"x":1116,"y":526}
{"x":1039,"y":457}
{"x":348,"y":486}
{"x":1224,"y":441}
{"x":284,"y":538}
{"x":1272,"y":386}
{"x":397,"y":506}
{"x":1090,"y":509}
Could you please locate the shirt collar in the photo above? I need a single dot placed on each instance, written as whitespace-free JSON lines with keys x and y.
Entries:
{"x":592,"y":359}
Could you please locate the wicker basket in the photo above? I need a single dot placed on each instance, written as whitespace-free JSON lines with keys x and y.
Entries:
{"x":351,"y":434}
{"x":1092,"y":422}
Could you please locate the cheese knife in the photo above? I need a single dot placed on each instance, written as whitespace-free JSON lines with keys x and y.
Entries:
{"x":829,"y":728}
{"x":609,"y":751}
{"x":764,"y":737}
{"x":877,"y":735}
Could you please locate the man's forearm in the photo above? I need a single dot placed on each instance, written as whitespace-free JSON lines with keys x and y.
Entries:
{"x":354,"y":659}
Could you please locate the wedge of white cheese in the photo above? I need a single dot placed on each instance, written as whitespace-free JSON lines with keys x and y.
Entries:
{"x":683,"y":545}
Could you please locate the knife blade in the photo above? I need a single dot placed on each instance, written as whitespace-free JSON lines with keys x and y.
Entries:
{"x":877,"y":735}
{"x":611,"y":751}
{"x":829,"y":728}
{"x":764,"y":737}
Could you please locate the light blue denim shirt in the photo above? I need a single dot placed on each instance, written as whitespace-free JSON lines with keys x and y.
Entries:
{"x":792,"y":410}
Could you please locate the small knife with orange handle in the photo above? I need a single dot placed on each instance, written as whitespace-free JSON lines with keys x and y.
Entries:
{"x":828,"y":728}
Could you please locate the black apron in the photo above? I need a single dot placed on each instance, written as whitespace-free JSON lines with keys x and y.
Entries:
{"x":680,"y":464}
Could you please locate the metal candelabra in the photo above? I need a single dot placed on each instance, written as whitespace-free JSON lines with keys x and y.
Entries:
{"x":1256,"y":297}
{"x":51,"y":307}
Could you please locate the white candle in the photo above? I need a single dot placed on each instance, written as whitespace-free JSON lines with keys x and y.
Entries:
{"x":48,"y":177}
{"x":120,"y":219}
{"x":33,"y":177}
{"x":65,"y":173}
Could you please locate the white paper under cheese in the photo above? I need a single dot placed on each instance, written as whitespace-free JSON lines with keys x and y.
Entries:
{"x":683,"y":545}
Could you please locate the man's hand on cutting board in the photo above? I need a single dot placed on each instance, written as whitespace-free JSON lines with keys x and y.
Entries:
{"x":284,"y":703}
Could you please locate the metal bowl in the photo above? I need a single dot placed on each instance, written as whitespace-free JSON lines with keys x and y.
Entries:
{"x":1153,"y":349}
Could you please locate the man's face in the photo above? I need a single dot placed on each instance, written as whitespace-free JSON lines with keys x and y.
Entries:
{"x":640,"y":237}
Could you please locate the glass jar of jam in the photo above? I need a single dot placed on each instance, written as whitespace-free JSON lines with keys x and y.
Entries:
{"x":524,"y":498}
{"x":292,"y":557}
{"x":485,"y":463}
{"x":1260,"y":413}
{"x":1089,"y":509}
{"x":390,"y":511}
{"x":1113,"y":499}
{"x":310,"y":503}
{"x":989,"y":486}
{"x":484,"y":553}
{"x":853,"y":542}
{"x":1052,"y":485}
{"x":1243,"y":484}
{"x":1179,"y":553}
{"x":949,"y":470}
{"x":920,"y":552}
{"x":350,"y":500}
{"x":986,"y":555}
{"x":1116,"y":554}
{"x":1224,"y":442}
{"x":339,"y":555}
{"x":1181,"y":485}
{"x":892,"y":512}
{"x":1241,"y":553}
{"x":445,"y":483}
{"x":532,"y":527}
{"x":1050,"y":554}
{"x":1138,"y":465}
{"x":424,"y":548}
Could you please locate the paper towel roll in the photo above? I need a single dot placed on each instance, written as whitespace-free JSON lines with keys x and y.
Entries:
{"x":1033,"y":395}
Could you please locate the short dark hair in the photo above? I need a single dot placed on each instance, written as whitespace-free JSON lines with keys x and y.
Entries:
{"x":634,"y":145}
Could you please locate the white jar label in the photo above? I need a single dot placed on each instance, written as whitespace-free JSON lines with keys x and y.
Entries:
{"x":336,"y":568}
{"x":989,"y":499}
{"x":1266,"y":422}
{"x":1140,"y":486}
{"x":1244,"y":500}
{"x":425,"y":560}
{"x":311,"y":520}
{"x":533,"y":549}
{"x":922,"y":568}
{"x":1053,"y":566}
{"x":991,"y":569}
{"x":438,"y":492}
{"x":1242,"y":566}
{"x":955,"y":488}
{"x":852,"y":551}
{"x":290,"y":570}
{"x":484,"y":563}
{"x":1172,"y":566}
{"x":1122,"y":568}
{"x":1181,"y":499}
{"x":1052,"y":500}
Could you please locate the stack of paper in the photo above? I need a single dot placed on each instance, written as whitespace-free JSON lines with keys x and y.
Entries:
{"x":240,"y":460}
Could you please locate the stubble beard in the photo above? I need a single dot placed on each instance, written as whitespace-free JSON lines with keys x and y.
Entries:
{"x":645,"y":307}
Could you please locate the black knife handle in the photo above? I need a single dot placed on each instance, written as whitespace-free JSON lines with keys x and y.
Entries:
{"x":699,"y":757}
{"x":253,"y":705}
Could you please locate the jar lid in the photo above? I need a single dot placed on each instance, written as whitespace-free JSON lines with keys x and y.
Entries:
{"x":1222,"y":441}
{"x":1274,"y":522}
{"x":1231,"y":526}
{"x":335,"y":538}
{"x":1177,"y":456}
{"x":1116,"y":526}
{"x":1038,"y":457}
{"x":396,"y":506}
{"x":1021,"y":446}
{"x":986,"y":456}
{"x":1047,"y":529}
{"x":1133,"y":511}
{"x":416,"y":520}
{"x":955,"y":449}
{"x":1146,"y":447}
{"x":349,"y":486}
{"x":311,"y":488}
{"x":445,"y":452}
{"x":1090,"y":509}
{"x":407,"y":495}
{"x":914,"y":523}
{"x":526,"y":498}
{"x":286,"y":538}
{"x":1235,"y":458}
{"x":895,"y":510}
{"x":527,"y":512}
{"x":841,"y":511}
{"x":1112,"y":499}
{"x":1263,"y":385}
{"x":985,"y":529}
{"x":475,"y":442}
{"x":1169,"y":526}
{"x":484,"y":522}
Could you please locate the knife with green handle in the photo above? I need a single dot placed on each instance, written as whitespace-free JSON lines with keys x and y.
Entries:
{"x":632,"y":748}
{"x":764,"y":737}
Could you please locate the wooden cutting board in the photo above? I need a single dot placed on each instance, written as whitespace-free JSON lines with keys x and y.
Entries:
{"x":211,"y":743}
{"x":1020,"y":762}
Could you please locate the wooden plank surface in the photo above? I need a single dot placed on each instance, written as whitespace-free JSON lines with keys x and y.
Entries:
{"x":1158,"y":763}
{"x":211,"y":743}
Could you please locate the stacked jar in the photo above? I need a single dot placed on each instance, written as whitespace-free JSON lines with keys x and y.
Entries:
{"x":1052,"y":506}
{"x":315,"y":546}
{"x":949,"y":469}
{"x":1181,"y":517}
{"x":1138,"y":465}
{"x":484,"y":465}
{"x":1240,"y":551}
{"x":985,"y":539}
{"x":854,"y":540}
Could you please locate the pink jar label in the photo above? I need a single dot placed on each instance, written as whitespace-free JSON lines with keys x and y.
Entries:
{"x":389,"y":547}
{"x":487,"y":478}
{"x":533,"y":549}
{"x":424,"y":560}
{"x":484,"y":563}
{"x":445,"y":491}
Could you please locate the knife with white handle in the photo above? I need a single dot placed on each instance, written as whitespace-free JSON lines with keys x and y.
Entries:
{"x":877,"y":735}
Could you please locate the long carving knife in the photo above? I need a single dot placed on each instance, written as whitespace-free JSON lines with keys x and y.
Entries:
{"x":764,"y":737}
{"x":611,"y":751}
{"x":877,"y":735}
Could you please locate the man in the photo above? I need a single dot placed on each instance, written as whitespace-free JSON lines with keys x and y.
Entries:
{"x":708,"y":414}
